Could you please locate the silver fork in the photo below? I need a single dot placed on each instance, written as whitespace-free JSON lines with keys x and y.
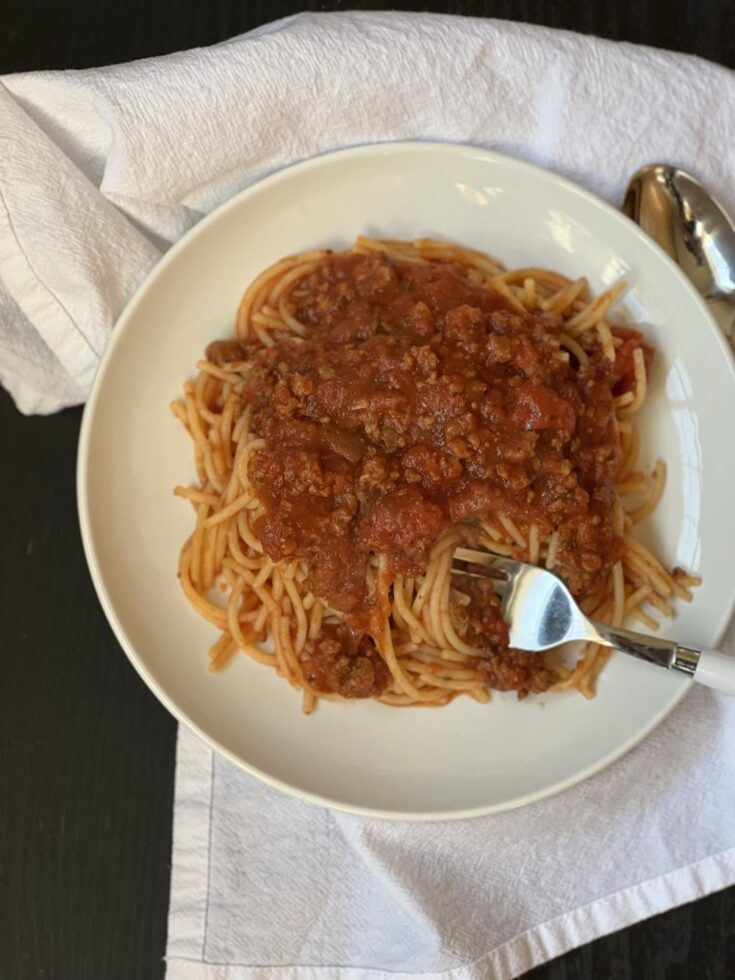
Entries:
{"x":541,"y":613}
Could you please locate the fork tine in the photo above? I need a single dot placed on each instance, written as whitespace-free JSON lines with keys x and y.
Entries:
{"x":473,"y":570}
{"x":486,"y":559}
{"x":482,"y":564}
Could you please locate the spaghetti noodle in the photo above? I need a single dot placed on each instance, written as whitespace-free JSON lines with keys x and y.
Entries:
{"x":380,"y":406}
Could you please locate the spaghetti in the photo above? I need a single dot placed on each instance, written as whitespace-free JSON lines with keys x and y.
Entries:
{"x":377,"y":408}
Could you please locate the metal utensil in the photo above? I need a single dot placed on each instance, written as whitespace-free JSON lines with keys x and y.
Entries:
{"x":683,"y":218}
{"x":541,"y":614}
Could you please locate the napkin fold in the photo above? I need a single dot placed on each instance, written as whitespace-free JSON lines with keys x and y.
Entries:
{"x":100,"y":171}
{"x":264,"y":886}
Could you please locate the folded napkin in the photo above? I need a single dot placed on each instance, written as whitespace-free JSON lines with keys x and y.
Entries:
{"x":264,"y":886}
{"x":99,"y":172}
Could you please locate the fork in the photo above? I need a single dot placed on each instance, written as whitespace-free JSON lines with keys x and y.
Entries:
{"x":541,"y":613}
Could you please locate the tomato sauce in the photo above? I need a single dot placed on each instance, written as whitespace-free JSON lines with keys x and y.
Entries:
{"x":416,"y":402}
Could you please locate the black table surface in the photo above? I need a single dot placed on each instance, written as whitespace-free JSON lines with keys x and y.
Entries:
{"x":87,"y":753}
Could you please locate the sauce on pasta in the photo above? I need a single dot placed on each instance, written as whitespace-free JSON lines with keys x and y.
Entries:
{"x":375,"y":409}
{"x":416,"y":402}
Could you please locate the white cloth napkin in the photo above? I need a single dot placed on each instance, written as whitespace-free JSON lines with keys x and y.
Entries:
{"x":99,"y":172}
{"x":266,"y":887}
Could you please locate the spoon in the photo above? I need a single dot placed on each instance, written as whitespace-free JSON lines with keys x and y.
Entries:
{"x":687,"y":222}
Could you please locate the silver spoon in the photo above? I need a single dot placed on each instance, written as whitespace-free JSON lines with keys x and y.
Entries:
{"x":687,"y":222}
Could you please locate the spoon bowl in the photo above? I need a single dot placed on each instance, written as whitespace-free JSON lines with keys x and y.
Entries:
{"x":673,"y":208}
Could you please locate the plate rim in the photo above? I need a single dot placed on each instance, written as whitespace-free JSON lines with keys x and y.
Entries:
{"x":83,"y":471}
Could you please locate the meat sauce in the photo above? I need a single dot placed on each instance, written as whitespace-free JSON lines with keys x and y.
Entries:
{"x":631,"y":340}
{"x":416,"y":402}
{"x":346,"y":661}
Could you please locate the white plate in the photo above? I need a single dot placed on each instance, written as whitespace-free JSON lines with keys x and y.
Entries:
{"x":465,"y":759}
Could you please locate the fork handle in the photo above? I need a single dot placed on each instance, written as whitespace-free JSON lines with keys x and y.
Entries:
{"x":710,"y":667}
{"x":716,"y":669}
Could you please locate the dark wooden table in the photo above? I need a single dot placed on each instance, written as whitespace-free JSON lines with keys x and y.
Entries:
{"x":87,"y":753}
